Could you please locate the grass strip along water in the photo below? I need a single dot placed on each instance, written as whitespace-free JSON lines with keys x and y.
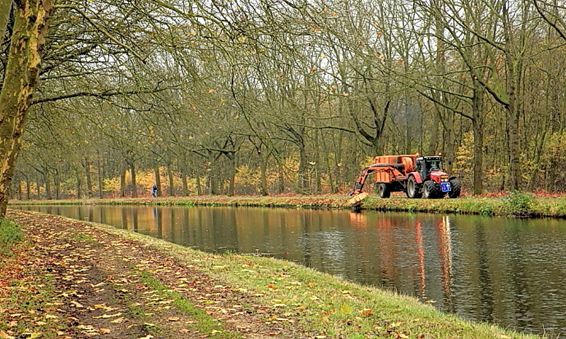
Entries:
{"x":516,"y":204}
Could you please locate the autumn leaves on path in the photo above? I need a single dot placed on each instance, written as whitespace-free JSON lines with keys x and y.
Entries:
{"x":70,"y":279}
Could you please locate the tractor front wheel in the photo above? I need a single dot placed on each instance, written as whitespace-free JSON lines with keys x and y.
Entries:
{"x":431,"y":190}
{"x":383,"y":190}
{"x":413,"y":189}
{"x":456,"y":186}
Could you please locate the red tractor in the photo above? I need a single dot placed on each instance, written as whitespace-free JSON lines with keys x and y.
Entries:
{"x":417,"y":176}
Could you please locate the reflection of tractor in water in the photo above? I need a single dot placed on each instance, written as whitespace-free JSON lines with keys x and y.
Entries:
{"x":417,"y":176}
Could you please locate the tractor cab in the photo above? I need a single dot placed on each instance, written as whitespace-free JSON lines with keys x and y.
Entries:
{"x":427,"y":165}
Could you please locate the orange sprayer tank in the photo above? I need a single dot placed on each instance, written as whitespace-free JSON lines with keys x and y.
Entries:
{"x":408,"y":162}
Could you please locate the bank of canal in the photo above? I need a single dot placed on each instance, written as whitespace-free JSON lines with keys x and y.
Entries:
{"x":508,"y":271}
{"x":515,"y":204}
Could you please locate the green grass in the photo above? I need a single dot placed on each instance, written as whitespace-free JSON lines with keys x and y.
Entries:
{"x":204,"y":323}
{"x":314,"y":302}
{"x":84,"y":238}
{"x":515,"y":204}
{"x":10,"y":235}
{"x":37,"y":302}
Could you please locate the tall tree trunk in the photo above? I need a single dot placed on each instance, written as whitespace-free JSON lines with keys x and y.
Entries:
{"x":123,"y":182}
{"x":89,"y":190}
{"x":513,"y":77}
{"x":57,"y":179}
{"x":477,"y":124}
{"x":157,"y":177}
{"x":20,"y":193}
{"x":302,"y":177}
{"x":20,"y":80}
{"x":263,"y":173}
{"x":232,"y":179}
{"x":100,"y":165}
{"x":38,"y":188}
{"x":28,"y":189}
{"x":280,"y":178}
{"x":171,"y":189}
{"x":78,"y":176}
{"x":184,"y":183}
{"x":199,"y":185}
{"x":134,"y":184}
{"x":47,"y":185}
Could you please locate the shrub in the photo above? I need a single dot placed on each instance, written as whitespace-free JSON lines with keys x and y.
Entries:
{"x":519,"y":203}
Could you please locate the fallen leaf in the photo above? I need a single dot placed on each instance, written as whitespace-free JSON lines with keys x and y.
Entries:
{"x":118,"y":321}
{"x":366,"y":312}
{"x":107,"y":316}
{"x":77,"y":304}
{"x":173,"y":319}
{"x":105,"y":330}
{"x":4,"y":335}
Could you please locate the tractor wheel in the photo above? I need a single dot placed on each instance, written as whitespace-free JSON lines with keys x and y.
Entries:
{"x":456,"y":188}
{"x":431,"y":191}
{"x":413,"y":189}
{"x":383,"y":190}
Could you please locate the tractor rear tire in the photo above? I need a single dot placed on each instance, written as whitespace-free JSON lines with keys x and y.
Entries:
{"x":383,"y":190}
{"x":456,"y":186}
{"x":413,"y":189}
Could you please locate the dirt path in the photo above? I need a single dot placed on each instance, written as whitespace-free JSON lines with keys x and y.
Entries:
{"x":72,"y":280}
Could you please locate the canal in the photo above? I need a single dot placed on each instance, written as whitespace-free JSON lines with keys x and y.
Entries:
{"x":511,"y":272}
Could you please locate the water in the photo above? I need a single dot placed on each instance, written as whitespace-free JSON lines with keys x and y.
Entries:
{"x":507,"y":271}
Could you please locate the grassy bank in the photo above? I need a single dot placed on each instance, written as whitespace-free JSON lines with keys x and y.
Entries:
{"x":320,"y":303}
{"x":515,"y":204}
{"x":103,"y":279}
{"x":10,"y":235}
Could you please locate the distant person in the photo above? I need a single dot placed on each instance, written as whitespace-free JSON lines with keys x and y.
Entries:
{"x":154,"y":191}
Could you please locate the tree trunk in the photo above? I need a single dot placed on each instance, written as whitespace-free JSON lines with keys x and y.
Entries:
{"x":20,"y":80}
{"x":263,"y":174}
{"x":88,"y":178}
{"x":134,"y":184}
{"x":280,"y":178}
{"x":38,"y":188}
{"x":28,"y":189}
{"x":47,"y":185}
{"x":199,"y":185}
{"x":79,"y":193}
{"x":232,"y":179}
{"x":171,"y":189}
{"x":157,"y":177}
{"x":100,"y":178}
{"x":302,"y":178}
{"x":184,"y":183}
{"x":477,"y":123}
{"x":57,"y":180}
{"x":20,"y":190}
{"x":123,"y":182}
{"x":513,"y":77}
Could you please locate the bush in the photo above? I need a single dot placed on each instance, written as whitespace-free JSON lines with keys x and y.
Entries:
{"x":10,"y":234}
{"x":519,"y":203}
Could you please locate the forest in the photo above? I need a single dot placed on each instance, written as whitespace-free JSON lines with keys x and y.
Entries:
{"x":104,"y":98}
